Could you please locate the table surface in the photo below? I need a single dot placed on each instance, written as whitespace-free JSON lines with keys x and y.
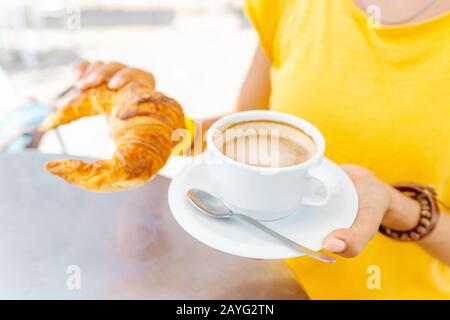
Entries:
{"x":60,"y":242}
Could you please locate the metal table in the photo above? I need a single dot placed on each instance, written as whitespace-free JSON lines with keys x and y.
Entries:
{"x":60,"y":242}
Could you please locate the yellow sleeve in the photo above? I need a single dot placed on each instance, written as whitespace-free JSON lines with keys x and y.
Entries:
{"x":265,"y":16}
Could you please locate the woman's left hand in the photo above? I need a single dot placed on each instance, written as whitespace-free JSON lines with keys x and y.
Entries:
{"x":376,"y":201}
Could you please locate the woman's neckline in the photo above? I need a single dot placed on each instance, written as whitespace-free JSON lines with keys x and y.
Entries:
{"x":385,"y":27}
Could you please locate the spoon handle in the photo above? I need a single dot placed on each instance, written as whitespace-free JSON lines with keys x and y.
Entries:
{"x":292,"y":244}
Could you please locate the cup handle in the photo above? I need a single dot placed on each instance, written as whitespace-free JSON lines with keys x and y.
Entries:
{"x":327,"y":186}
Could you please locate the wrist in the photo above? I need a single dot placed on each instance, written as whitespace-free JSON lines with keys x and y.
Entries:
{"x":403,"y":213}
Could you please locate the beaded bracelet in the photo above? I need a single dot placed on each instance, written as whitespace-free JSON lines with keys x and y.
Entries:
{"x":429,"y":212}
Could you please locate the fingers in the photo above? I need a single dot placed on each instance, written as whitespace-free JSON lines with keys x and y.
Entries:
{"x":101,"y":73}
{"x":350,"y":242}
{"x":128,"y":75}
{"x":117,"y":75}
{"x":86,"y":69}
{"x":79,"y":69}
{"x":90,"y":75}
{"x":374,"y":199}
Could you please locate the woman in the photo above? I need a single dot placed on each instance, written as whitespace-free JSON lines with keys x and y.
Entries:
{"x":379,"y":90}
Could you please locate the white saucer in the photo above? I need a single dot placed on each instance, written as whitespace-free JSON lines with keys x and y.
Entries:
{"x":308,"y":226}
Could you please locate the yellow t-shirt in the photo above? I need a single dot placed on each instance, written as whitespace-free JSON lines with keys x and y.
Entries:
{"x":381,"y":97}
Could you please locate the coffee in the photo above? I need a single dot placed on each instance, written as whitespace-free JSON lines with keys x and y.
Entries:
{"x":265,"y":143}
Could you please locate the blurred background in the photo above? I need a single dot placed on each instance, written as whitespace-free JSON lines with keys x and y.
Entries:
{"x":198,"y":50}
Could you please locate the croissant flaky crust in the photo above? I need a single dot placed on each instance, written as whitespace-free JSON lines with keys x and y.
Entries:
{"x":141,"y":124}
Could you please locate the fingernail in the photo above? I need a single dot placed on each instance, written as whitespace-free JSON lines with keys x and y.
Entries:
{"x":334,"y":245}
{"x":80,"y":84}
{"x":92,"y":79}
{"x":113,"y":83}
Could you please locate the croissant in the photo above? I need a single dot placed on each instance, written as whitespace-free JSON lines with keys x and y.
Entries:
{"x":141,"y":123}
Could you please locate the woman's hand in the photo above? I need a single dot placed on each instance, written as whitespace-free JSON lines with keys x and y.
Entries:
{"x":378,"y":204}
{"x":115,"y":74}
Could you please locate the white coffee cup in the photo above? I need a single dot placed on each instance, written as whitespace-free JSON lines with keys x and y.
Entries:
{"x":264,"y":193}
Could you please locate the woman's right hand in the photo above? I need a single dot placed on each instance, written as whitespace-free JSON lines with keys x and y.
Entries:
{"x":114,"y":74}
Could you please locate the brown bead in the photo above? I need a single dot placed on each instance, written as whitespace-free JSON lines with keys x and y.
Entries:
{"x":405,"y":236}
{"x":425,"y":213}
{"x":425,"y":222}
{"x":414,"y":235}
{"x":421,"y":230}
{"x":426,"y":196}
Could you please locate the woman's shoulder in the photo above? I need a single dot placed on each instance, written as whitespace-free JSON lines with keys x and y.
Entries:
{"x":269,"y":7}
{"x":265,"y":16}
